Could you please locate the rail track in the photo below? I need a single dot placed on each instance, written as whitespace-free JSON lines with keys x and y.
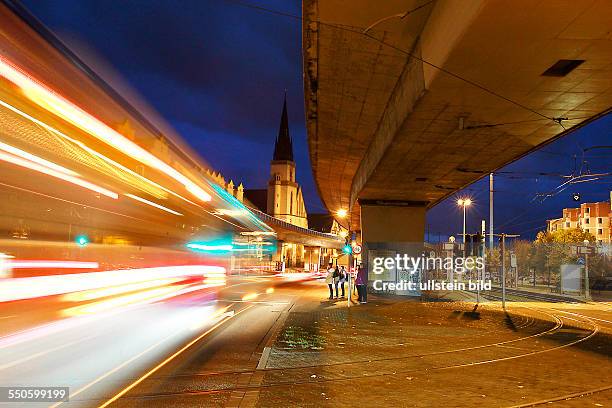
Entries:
{"x":318,"y":374}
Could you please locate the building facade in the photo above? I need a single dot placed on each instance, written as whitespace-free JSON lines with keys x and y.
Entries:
{"x":283,"y":198}
{"x":591,"y":217}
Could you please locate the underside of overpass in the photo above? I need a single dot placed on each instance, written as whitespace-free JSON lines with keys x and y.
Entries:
{"x":404,"y":109}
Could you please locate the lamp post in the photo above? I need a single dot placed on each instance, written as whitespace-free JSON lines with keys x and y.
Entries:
{"x":343,"y":213}
{"x":464,"y":202}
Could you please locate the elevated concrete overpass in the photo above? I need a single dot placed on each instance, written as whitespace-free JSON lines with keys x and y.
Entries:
{"x":404,"y":109}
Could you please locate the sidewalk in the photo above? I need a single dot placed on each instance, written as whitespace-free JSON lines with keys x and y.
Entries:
{"x":388,"y":353}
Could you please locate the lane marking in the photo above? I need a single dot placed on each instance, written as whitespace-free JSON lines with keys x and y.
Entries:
{"x":44,"y":352}
{"x":117,"y":368}
{"x":167,"y":360}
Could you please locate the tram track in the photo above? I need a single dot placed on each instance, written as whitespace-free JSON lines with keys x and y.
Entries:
{"x":314,"y":377}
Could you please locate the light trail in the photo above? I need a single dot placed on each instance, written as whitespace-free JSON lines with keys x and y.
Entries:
{"x":39,"y":286}
{"x":127,"y":300}
{"x":152,"y":204}
{"x":211,"y":247}
{"x":42,"y":264}
{"x":115,"y":290}
{"x":250,"y":296}
{"x":54,"y":103}
{"x":30,"y":157}
{"x":54,"y":173}
{"x":91,"y":151}
{"x":167,"y":360}
{"x":63,"y":200}
{"x":42,"y":353}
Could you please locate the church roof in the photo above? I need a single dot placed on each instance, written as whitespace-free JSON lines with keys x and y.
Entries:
{"x":283,"y":147}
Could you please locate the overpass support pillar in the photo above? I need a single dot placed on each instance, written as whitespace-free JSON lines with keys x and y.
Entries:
{"x":390,"y":229}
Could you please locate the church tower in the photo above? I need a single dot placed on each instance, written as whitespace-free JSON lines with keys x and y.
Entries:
{"x":285,"y":199}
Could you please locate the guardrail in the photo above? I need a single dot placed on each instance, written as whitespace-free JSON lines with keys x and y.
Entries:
{"x":284,"y":224}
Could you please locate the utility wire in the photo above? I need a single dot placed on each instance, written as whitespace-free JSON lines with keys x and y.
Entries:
{"x":396,"y":48}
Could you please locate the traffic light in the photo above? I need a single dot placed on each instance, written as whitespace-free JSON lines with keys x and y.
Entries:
{"x":347,"y":249}
{"x":82,"y":240}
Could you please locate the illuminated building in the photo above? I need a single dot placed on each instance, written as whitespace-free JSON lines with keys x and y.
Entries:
{"x":590,"y":217}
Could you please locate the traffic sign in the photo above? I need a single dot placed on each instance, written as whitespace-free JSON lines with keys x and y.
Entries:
{"x":357,"y":249}
{"x":513,"y":260}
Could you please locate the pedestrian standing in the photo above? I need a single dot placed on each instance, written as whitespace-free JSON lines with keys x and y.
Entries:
{"x":329,"y":279}
{"x":362,"y":281}
{"x":336,"y":279}
{"x":343,"y":277}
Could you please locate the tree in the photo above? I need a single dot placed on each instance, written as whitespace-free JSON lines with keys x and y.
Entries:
{"x":523,"y":251}
{"x":564,"y":236}
{"x":492,"y":261}
{"x":556,"y":249}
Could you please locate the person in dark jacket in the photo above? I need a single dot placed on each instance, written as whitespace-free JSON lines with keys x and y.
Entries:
{"x":336,"y":279}
{"x":329,"y":279}
{"x":343,"y":279}
{"x":362,"y":285}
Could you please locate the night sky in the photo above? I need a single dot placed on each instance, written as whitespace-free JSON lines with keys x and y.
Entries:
{"x":217,"y":72}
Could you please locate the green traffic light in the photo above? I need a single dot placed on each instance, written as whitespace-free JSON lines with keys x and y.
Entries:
{"x":82,"y":240}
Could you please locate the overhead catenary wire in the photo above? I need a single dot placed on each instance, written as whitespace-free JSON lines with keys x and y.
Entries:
{"x":364,"y":32}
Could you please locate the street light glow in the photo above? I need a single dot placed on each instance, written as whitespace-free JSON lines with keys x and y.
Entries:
{"x":464,"y":202}
{"x":342,"y":213}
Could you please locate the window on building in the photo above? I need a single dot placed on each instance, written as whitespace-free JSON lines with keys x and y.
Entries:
{"x":599,"y":220}
{"x":599,"y":231}
{"x":587,"y":210}
{"x":291,"y":204}
{"x":567,"y":225}
{"x":586,"y":221}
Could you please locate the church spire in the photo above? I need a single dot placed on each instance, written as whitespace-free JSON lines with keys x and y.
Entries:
{"x":283,"y":147}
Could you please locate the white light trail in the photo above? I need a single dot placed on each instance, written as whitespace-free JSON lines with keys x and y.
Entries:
{"x":28,"y":156}
{"x":152,"y":204}
{"x":53,"y":102}
{"x":90,"y":150}
{"x":57,"y":174}
{"x":43,"y":264}
{"x":38,"y":286}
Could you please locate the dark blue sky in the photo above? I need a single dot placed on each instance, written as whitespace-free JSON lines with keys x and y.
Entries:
{"x":216,"y":72}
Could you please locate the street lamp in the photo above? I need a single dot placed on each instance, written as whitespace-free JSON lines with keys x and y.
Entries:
{"x":342,"y":213}
{"x":464,"y":202}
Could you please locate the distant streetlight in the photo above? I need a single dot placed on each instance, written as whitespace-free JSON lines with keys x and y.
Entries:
{"x":464,"y":202}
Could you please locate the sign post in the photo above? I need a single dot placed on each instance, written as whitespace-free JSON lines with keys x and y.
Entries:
{"x":586,"y":249}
